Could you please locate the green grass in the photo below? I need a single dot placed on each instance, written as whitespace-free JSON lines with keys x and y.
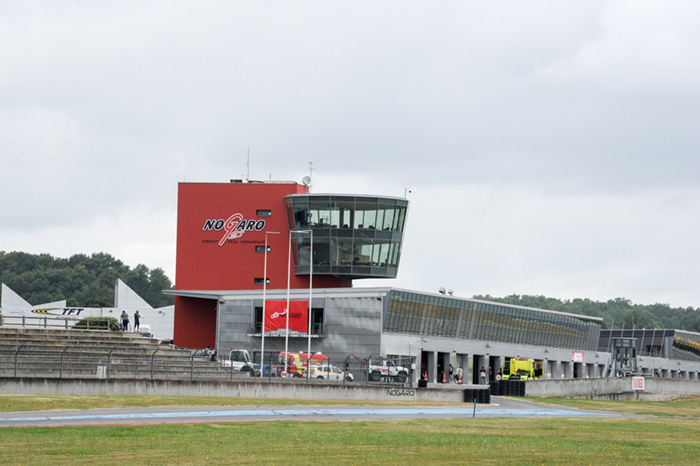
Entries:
{"x":681,"y":408}
{"x":670,"y":438}
{"x":463,"y":441}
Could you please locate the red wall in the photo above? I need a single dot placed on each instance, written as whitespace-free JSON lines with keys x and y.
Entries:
{"x":203,"y":264}
{"x":195,"y":322}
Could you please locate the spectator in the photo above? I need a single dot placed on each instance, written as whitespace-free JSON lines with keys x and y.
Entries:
{"x":137,"y":321}
{"x":482,"y":376}
{"x":125,"y":321}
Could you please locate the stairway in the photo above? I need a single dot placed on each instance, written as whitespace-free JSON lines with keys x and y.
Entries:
{"x":71,"y":353}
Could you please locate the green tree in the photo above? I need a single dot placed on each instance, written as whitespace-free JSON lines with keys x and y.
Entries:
{"x":82,"y":280}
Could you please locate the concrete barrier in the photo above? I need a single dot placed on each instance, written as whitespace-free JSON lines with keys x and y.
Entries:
{"x":286,"y":389}
{"x":655,"y":389}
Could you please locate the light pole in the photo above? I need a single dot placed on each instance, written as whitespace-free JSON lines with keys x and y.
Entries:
{"x":410,"y":362}
{"x":311,"y":276}
{"x":262,"y":349}
{"x":289,"y":268}
{"x":286,"y":332}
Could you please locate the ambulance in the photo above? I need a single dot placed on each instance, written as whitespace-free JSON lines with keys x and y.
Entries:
{"x":297,"y":363}
{"x":520,"y":369}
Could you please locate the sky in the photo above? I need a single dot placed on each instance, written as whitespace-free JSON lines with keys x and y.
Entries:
{"x":546,"y":147}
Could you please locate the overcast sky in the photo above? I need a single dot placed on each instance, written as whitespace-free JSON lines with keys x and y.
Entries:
{"x":551,"y":148}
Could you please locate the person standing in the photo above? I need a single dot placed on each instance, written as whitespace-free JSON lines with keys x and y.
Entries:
{"x":137,"y":321}
{"x":125,"y":321}
{"x":482,"y":376}
{"x":451,"y":373}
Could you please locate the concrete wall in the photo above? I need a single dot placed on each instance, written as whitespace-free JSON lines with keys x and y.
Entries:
{"x":655,"y":389}
{"x":287,"y":390}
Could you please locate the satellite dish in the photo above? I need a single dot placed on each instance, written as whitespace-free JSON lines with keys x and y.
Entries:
{"x":306,"y":180}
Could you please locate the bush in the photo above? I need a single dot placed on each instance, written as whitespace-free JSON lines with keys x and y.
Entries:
{"x":98,"y":323}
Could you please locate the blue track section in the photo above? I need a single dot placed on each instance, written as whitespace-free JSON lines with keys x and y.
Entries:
{"x":315,"y":414}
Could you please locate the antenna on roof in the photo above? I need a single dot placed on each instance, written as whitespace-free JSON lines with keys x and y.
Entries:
{"x":307,"y":179}
{"x":247,"y":167}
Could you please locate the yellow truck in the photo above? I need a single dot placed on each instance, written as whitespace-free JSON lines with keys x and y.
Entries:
{"x":520,"y":369}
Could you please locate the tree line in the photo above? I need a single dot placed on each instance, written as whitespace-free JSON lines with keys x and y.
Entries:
{"x":82,"y":280}
{"x":88,"y":281}
{"x":616,"y":313}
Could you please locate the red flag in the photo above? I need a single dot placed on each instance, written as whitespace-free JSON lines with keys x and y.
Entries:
{"x":276,"y":316}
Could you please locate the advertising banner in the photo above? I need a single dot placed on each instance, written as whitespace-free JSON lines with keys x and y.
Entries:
{"x":276,"y":316}
{"x":577,"y":356}
{"x":637,"y":383}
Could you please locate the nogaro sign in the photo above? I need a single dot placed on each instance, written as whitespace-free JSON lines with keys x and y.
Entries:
{"x":233,"y":227}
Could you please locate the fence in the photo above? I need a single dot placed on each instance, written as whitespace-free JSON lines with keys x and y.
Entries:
{"x":81,"y":361}
{"x":53,"y":322}
{"x":361,"y":370}
{"x":70,"y":362}
{"x":158,"y":363}
{"x":26,"y":352}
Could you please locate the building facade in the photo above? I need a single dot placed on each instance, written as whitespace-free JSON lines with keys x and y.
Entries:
{"x":664,"y":353}
{"x":268,"y":266}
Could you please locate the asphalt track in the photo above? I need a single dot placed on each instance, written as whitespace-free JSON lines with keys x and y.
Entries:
{"x":499,"y":407}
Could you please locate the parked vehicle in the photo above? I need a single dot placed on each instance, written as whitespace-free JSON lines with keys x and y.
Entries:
{"x":520,"y":369}
{"x":379,"y":368}
{"x":240,"y":360}
{"x":297,"y":363}
{"x":329,"y":372}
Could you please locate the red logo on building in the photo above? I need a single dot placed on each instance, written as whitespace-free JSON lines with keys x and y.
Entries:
{"x":234,"y":227}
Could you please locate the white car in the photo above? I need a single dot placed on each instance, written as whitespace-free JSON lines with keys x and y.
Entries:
{"x":325,"y":371}
{"x":387,"y":369}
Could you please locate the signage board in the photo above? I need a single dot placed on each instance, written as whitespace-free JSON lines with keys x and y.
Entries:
{"x":637,"y":383}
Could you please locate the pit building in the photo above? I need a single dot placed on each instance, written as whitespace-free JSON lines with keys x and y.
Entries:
{"x":249,"y":251}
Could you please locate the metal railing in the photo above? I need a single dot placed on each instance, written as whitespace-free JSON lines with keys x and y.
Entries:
{"x":318,"y":330}
{"x":273,"y":369}
{"x":52,"y":322}
{"x":72,"y":362}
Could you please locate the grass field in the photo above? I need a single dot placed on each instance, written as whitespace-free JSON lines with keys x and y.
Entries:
{"x":671,"y":437}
